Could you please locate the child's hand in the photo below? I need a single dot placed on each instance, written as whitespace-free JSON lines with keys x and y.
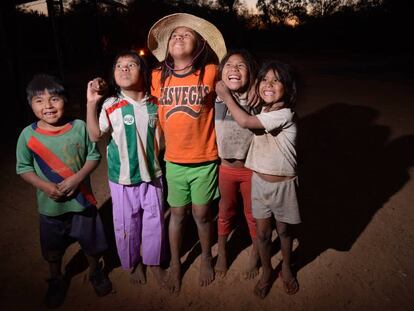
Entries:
{"x":96,"y":90}
{"x":222,"y":90}
{"x":69,"y":185}
{"x":52,"y":190}
{"x":253,"y":100}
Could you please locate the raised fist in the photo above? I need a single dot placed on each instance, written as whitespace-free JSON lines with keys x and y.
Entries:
{"x":99,"y":85}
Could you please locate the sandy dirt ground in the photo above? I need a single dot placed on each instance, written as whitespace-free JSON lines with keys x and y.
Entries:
{"x":354,"y":250}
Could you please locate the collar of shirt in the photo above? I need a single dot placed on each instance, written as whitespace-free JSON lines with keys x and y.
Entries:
{"x":134,"y":102}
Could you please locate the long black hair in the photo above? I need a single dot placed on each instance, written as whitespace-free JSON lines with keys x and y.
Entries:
{"x":286,"y":77}
{"x":251,"y":63}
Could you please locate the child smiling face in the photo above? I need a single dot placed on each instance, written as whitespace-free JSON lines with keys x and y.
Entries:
{"x":235,"y":73}
{"x":48,"y":108}
{"x":271,"y":90}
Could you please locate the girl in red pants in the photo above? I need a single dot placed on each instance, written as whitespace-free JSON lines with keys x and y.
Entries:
{"x":237,"y":70}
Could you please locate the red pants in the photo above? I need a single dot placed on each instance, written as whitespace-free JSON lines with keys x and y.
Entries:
{"x":231,"y":181}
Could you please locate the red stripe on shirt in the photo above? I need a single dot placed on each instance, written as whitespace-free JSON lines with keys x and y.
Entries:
{"x":57,"y":165}
{"x":111,"y":109}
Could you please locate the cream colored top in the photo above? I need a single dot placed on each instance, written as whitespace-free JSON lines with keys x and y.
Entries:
{"x":273,"y":151}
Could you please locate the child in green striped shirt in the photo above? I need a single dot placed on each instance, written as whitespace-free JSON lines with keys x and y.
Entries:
{"x":130,"y":120}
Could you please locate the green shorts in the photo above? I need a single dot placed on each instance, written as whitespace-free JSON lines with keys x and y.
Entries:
{"x":191,"y":183}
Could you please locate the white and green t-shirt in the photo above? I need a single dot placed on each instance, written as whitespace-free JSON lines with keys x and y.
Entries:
{"x":135,"y":139}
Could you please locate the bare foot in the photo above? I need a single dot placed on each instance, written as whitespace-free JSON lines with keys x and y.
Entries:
{"x":221,"y":265}
{"x":252,"y":269}
{"x":261,"y":289}
{"x":287,"y":272}
{"x":290,"y":283}
{"x":173,"y":280}
{"x":160,"y":275}
{"x":206,"y":271}
{"x":138,"y":275}
{"x":263,"y":286}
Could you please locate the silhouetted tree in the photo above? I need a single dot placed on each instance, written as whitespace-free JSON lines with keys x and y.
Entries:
{"x":265,"y":7}
{"x":276,"y":11}
{"x":228,"y":4}
{"x":325,"y":7}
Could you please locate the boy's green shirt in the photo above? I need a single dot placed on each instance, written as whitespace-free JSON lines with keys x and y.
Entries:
{"x":54,"y":156}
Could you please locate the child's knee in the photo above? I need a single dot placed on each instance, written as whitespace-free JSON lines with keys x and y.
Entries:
{"x":283,"y":234}
{"x":201,"y":217}
{"x":283,"y":230}
{"x":178,"y":216}
{"x":263,"y":236}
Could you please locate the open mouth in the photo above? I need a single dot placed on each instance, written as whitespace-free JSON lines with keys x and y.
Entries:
{"x":233,"y":78}
{"x":268,"y":93}
{"x":49,"y":114}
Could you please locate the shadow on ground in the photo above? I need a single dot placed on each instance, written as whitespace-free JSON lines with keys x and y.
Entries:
{"x":348,"y":170}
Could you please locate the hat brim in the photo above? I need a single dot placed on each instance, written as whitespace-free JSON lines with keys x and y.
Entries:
{"x":160,"y":33}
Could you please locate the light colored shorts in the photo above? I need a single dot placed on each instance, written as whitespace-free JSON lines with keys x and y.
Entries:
{"x":277,"y":198}
{"x":191,"y":183}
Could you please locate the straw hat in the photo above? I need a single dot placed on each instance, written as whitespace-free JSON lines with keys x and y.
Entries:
{"x":160,"y":33}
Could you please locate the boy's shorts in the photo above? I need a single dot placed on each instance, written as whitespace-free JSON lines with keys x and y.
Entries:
{"x":58,"y":232}
{"x":191,"y":183}
{"x":277,"y":198}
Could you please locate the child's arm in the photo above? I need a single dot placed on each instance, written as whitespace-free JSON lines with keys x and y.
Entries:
{"x":70,"y":184}
{"x":242,"y":118}
{"x":94,"y":94}
{"x":253,"y":100}
{"x":52,"y":190}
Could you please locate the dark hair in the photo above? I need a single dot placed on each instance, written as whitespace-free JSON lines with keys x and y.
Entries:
{"x":143,"y":68}
{"x":286,"y":77}
{"x":206,"y":56}
{"x":250,"y":61}
{"x":42,"y":82}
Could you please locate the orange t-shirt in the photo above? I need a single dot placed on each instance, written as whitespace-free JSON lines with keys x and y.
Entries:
{"x":186,"y":114}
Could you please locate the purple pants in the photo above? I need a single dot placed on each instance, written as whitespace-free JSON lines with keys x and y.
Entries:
{"x":138,"y":212}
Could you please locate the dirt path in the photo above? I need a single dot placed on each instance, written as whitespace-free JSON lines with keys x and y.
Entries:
{"x":354,"y":250}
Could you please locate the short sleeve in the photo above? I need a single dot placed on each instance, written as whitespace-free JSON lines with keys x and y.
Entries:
{"x":275,"y":119}
{"x":104,"y":121}
{"x":93,"y":151}
{"x":104,"y":124}
{"x":220,"y":110}
{"x":24,"y":157}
